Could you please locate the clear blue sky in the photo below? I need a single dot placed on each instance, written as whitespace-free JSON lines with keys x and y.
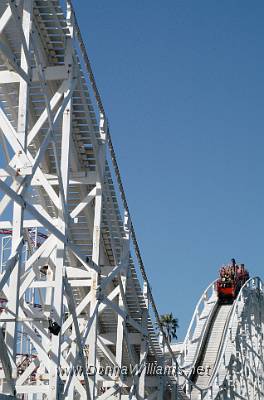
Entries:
{"x":183,"y":86}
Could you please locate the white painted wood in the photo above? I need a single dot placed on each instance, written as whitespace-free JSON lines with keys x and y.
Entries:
{"x":79,"y":270}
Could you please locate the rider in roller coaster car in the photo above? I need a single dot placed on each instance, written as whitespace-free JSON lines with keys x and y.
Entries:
{"x":232,"y":278}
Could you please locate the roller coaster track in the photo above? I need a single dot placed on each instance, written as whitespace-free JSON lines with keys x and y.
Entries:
{"x":77,"y":316}
{"x":60,"y":177}
{"x":223,"y":348}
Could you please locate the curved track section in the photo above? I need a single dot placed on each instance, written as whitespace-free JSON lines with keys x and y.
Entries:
{"x":228,"y":360}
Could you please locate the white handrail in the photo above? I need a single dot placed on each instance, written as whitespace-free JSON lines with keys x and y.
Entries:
{"x":203,"y":299}
{"x":228,"y":326}
{"x":207,"y":393}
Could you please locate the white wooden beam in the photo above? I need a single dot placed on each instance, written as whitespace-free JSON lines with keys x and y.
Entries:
{"x":5,"y":18}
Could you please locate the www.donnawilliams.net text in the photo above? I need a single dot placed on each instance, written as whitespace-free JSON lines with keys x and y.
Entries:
{"x":150,"y":369}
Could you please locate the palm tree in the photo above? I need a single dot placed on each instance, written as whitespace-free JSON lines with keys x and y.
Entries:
{"x":169,"y":325}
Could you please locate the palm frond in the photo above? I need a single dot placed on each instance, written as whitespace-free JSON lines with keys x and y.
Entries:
{"x":170,"y":325}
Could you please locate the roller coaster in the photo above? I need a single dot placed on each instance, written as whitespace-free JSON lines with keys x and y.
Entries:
{"x":78,"y":318}
{"x":222,"y":354}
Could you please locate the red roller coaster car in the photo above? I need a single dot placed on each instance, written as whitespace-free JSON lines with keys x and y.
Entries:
{"x":232,"y":278}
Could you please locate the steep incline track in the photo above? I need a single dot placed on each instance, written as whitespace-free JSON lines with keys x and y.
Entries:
{"x":59,"y":176}
{"x":210,"y":347}
{"x":227,"y":341}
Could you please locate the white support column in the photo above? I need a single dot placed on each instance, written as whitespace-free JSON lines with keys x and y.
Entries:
{"x":161,"y":381}
{"x":143,"y":358}
{"x":18,"y":212}
{"x":144,"y":346}
{"x":59,"y":259}
{"x":95,"y":278}
{"x":123,"y":282}
{"x":120,"y":332}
